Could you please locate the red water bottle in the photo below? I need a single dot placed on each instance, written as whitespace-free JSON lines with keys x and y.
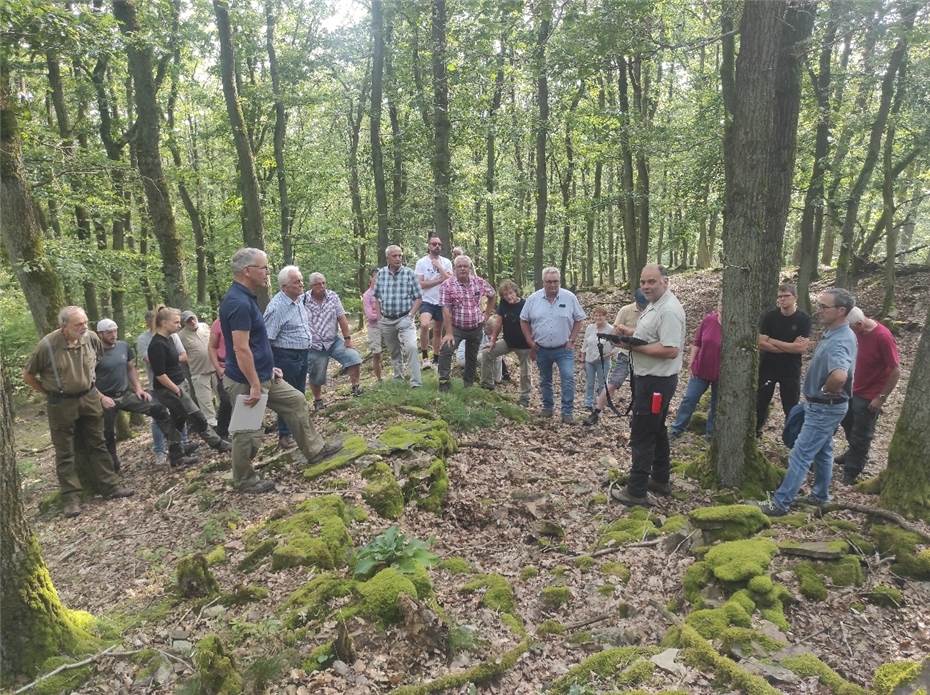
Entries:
{"x":656,"y":403}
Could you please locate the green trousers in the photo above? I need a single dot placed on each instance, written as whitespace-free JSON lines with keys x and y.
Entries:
{"x":291,"y":406}
{"x":78,"y":423}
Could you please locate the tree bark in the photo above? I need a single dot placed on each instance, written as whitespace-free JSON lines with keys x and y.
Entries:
{"x":542,"y":133}
{"x":354,"y":125}
{"x":888,"y":205}
{"x":253,"y":231}
{"x":489,"y":174}
{"x":906,"y":483}
{"x":634,"y":255}
{"x":762,"y":100}
{"x":20,"y":226}
{"x":158,"y":198}
{"x":442,"y":157}
{"x":374,"y":120}
{"x":398,"y":182}
{"x":280,"y":129}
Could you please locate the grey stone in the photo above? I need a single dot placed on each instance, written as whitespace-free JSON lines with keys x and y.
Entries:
{"x":816,"y":550}
{"x":667,"y":662}
{"x":771,"y":672}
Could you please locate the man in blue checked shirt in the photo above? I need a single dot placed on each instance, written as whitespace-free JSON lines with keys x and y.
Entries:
{"x":398,"y":297}
{"x":288,"y":327}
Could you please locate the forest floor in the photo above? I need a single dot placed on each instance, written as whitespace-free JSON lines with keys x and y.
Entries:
{"x":527,"y":501}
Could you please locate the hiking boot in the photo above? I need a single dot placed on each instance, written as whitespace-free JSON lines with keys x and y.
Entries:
{"x":664,"y":489}
{"x":524,"y":402}
{"x":222,"y":446}
{"x":318,"y":404}
{"x":568,"y":419}
{"x":161,"y":458}
{"x":356,"y":390}
{"x":545,"y":413}
{"x":333,"y":446}
{"x":191,"y":447}
{"x":444,"y":387}
{"x":850,"y":478}
{"x":592,"y":419}
{"x":624,"y":496}
{"x":71,"y":506}
{"x":769,"y":508}
{"x":811,"y":501}
{"x":118,"y":492}
{"x":183,"y":461}
{"x":257,"y":487}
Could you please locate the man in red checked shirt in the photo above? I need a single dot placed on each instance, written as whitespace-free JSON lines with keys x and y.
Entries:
{"x":463,"y":318}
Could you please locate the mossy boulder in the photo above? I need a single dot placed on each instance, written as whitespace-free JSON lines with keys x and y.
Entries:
{"x":554,"y":597}
{"x":884,"y":595}
{"x":637,"y":526}
{"x":844,"y":572}
{"x":194,"y":579}
{"x":498,"y":594}
{"x":710,"y":623}
{"x":242,"y":594}
{"x":383,"y":492}
{"x":729,"y":522}
{"x":903,"y":545}
{"x":699,"y":652}
{"x":313,"y":601}
{"x":380,"y":593}
{"x":809,"y":666}
{"x":426,"y":483}
{"x":740,"y":561}
{"x":810,"y":583}
{"x":424,"y":435}
{"x":353,"y":447}
{"x":606,"y":665}
{"x":889,"y":677}
{"x":216,"y":669}
{"x":697,"y":576}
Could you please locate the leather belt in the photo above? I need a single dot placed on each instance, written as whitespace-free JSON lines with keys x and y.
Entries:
{"x":826,"y":401}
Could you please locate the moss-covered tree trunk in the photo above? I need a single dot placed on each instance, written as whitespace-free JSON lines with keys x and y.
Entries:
{"x":906,"y":484}
{"x":34,"y":625}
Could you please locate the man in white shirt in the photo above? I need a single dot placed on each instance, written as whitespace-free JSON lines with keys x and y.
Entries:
{"x":431,"y":271}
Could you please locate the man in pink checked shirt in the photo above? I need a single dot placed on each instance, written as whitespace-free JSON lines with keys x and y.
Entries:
{"x":463,"y":319}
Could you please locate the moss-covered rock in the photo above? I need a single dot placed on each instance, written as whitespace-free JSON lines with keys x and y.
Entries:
{"x":424,"y":435}
{"x":809,"y":666}
{"x":321,"y":657}
{"x":903,"y":545}
{"x":217,"y":556}
{"x":242,"y":594}
{"x":884,"y":595}
{"x":380,"y":593}
{"x":637,"y":526}
{"x":194,"y":578}
{"x":426,"y":486}
{"x":258,"y":553}
{"x":844,"y":572}
{"x":810,"y":583}
{"x":313,"y":601}
{"x":353,"y":447}
{"x":456,"y":565}
{"x":554,"y":597}
{"x":498,"y":595}
{"x":711,"y":622}
{"x":216,"y":669}
{"x":697,"y":576}
{"x":729,"y":522}
{"x":890,"y":676}
{"x":748,"y":641}
{"x":759,"y":474}
{"x":606,"y":665}
{"x":550,"y":627}
{"x":616,"y":569}
{"x":383,"y":492}
{"x":700,"y":653}
{"x":740,"y":561}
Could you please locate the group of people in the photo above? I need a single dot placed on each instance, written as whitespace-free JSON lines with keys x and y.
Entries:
{"x":200,"y":375}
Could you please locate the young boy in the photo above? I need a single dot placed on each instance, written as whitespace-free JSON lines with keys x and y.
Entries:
{"x":595,"y":369}
{"x":372,"y":315}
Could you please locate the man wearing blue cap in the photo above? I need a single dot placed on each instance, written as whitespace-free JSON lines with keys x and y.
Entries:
{"x":627,"y":316}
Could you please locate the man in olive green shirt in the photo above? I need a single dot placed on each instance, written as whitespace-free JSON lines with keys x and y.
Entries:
{"x":62,"y":368}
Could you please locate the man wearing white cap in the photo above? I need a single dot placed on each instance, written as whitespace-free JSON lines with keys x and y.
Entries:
{"x":119,"y":387}
{"x":195,"y":336}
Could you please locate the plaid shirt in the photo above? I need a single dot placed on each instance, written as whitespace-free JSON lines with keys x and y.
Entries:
{"x":323,"y":317}
{"x":464,"y":300}
{"x":287,"y":323}
{"x":396,"y":291}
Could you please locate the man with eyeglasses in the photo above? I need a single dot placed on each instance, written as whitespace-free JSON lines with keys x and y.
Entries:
{"x":397,"y":297}
{"x":431,"y":271}
{"x":827,"y":390}
{"x":250,"y":373}
{"x":784,"y":335}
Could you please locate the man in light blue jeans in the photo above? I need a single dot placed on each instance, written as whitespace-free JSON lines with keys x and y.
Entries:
{"x":827,"y":390}
{"x":550,"y":321}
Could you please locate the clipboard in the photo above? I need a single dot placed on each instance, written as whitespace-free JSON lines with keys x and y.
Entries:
{"x":246,"y":418}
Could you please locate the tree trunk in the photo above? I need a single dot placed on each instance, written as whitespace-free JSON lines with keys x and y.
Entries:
{"x":844,"y":265}
{"x":253,"y":231}
{"x":374,"y":120}
{"x":888,"y":207}
{"x":489,"y":176}
{"x":280,"y":129}
{"x":631,"y":240}
{"x":354,"y":127}
{"x":158,"y":198}
{"x":611,"y":238}
{"x":398,"y":182}
{"x":542,"y":133}
{"x":906,"y":483}
{"x":20,"y":225}
{"x":758,"y":161}
{"x":442,"y":158}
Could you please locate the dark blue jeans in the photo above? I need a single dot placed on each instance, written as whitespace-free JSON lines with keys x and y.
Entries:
{"x":293,"y":366}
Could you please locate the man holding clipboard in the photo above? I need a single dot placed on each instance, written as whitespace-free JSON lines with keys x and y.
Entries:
{"x":251,"y":377}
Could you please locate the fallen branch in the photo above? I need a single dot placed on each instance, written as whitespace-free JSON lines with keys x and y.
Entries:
{"x":590,"y":621}
{"x":77,"y":664}
{"x":645,"y":544}
{"x":880,"y":513}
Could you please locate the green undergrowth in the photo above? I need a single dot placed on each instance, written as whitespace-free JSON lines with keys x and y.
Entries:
{"x":700,"y":653}
{"x":498,"y":593}
{"x":760,"y":475}
{"x":621,"y":666}
{"x":464,"y":409}
{"x":909,"y":562}
{"x":422,"y":435}
{"x":216,"y":672}
{"x":637,"y":526}
{"x":809,"y":666}
{"x":353,"y":447}
{"x":889,"y":677}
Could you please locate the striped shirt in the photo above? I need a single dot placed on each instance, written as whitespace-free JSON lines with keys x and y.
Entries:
{"x":464,"y":300}
{"x":396,"y":291}
{"x":323,"y":316}
{"x":287,"y":323}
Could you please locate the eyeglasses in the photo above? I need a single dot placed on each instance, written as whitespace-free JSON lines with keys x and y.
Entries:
{"x":261,"y":267}
{"x":785,"y":296}
{"x":826,"y":306}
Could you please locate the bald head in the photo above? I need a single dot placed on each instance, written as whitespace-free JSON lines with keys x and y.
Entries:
{"x":653,"y":281}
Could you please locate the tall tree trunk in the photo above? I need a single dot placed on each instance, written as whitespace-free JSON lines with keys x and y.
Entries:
{"x":374,"y":120}
{"x":611,"y":238}
{"x":758,"y":160}
{"x":567,"y":182}
{"x":158,"y":198}
{"x":641,"y":102}
{"x":542,"y":133}
{"x":21,"y":228}
{"x":398,"y":182}
{"x":906,"y":483}
{"x":280,"y":129}
{"x":634,"y":254}
{"x":888,"y":206}
{"x":354,"y":116}
{"x":812,"y":216}
{"x":253,"y":230}
{"x":844,"y":265}
{"x":489,"y":174}
{"x":442,"y":157}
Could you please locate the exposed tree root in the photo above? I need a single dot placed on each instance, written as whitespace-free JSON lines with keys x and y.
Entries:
{"x":876,"y":511}
{"x":77,"y":664}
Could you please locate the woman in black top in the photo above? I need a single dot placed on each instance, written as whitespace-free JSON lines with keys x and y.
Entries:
{"x":171,"y":388}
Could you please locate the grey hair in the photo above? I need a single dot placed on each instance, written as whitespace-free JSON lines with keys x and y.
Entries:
{"x":285,"y":274}
{"x":855,"y":315}
{"x":551,"y":270}
{"x":243,"y":258}
{"x":841,"y":298}
{"x":64,"y":316}
{"x":459,"y":258}
{"x":663,"y":271}
{"x":392,"y":248}
{"x":314,"y":278}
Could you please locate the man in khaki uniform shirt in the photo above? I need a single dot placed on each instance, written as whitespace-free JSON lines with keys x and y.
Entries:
{"x":195,"y":337}
{"x":62,"y":368}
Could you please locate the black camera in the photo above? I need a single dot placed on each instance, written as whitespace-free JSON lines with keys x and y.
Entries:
{"x":625,"y":340}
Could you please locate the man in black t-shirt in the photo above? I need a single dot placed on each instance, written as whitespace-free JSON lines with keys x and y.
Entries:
{"x":783,"y":337}
{"x":119,"y":387}
{"x":509,"y":308}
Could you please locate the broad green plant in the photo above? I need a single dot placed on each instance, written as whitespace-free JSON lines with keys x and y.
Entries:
{"x":392,"y":548}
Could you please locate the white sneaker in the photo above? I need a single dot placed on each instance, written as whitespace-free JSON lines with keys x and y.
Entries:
{"x":161,"y":459}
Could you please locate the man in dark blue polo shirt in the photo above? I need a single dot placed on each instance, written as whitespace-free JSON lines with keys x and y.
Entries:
{"x":250,"y":372}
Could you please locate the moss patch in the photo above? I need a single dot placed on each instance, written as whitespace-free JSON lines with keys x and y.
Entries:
{"x":606,"y":665}
{"x":616,"y":569}
{"x":427,"y":487}
{"x":811,"y":584}
{"x":456,"y":565}
{"x":550,"y":627}
{"x":194,"y":578}
{"x":528,"y":572}
{"x":313,"y":601}
{"x":424,"y":435}
{"x":700,"y":652}
{"x":845,"y":572}
{"x":216,"y":670}
{"x":884,"y":595}
{"x":380,"y":593}
{"x":635,"y":527}
{"x":486,"y":671}
{"x":903,"y":544}
{"x":729,"y":522}
{"x":808,"y":666}
{"x":739,"y":561}
{"x":383,"y":492}
{"x":243,"y":594}
{"x":554,"y":597}
{"x":353,"y":447}
{"x":498,"y":595}
{"x":890,"y":676}
{"x":217,"y":556}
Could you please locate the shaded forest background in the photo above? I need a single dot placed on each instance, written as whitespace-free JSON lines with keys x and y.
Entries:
{"x":157,"y":137}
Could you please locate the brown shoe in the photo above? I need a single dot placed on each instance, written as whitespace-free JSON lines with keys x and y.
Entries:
{"x":333,"y":446}
{"x":664,"y":489}
{"x":118,"y":492}
{"x":71,"y":506}
{"x":286,"y":442}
